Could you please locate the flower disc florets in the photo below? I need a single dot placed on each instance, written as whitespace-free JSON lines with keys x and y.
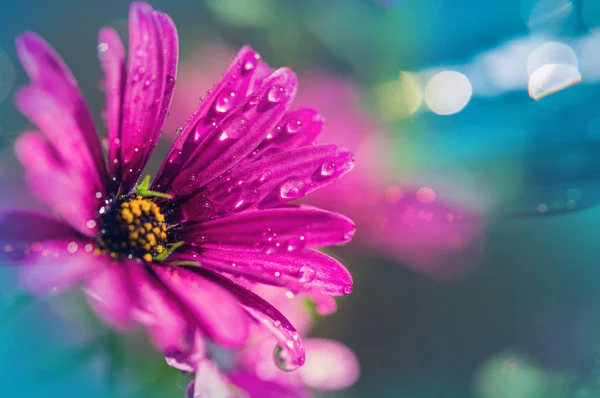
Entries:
{"x":133,"y":225}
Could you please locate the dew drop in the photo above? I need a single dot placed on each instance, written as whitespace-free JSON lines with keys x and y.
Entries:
{"x":253,"y":100}
{"x":347,"y":289}
{"x":224,"y":101}
{"x":296,"y":244}
{"x":293,"y":126}
{"x":307,"y":274}
{"x":292,"y":188}
{"x":170,"y":82}
{"x":328,"y":169}
{"x":275,"y":94}
{"x":265,"y":175}
{"x":179,"y":130}
{"x":233,"y":127}
{"x":250,"y":62}
{"x":283,"y":359}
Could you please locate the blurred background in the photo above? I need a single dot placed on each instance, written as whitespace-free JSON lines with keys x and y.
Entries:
{"x":476,"y":127}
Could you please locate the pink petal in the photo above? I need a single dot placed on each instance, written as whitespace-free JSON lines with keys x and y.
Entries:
{"x":112,"y":60}
{"x":66,"y":193}
{"x":290,"y":352}
{"x":110,"y":293}
{"x":275,"y":180}
{"x":271,"y":230}
{"x":19,"y":229}
{"x":53,"y":266}
{"x":238,"y":134}
{"x":61,"y":113}
{"x":257,"y":388}
{"x":312,"y":269}
{"x":297,"y":128}
{"x":159,"y":310}
{"x":216,"y":105}
{"x":188,"y":358}
{"x":329,"y":365}
{"x":209,"y":382}
{"x":148,"y":89}
{"x":216,"y":309}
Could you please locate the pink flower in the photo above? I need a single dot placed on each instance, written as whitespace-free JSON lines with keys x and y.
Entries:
{"x":329,"y":366}
{"x":415,"y":224}
{"x":220,"y":198}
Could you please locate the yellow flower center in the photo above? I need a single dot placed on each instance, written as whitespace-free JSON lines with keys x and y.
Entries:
{"x":134,"y":226}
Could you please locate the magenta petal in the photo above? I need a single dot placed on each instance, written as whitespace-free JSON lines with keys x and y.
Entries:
{"x":290,"y":353}
{"x":272,"y":230}
{"x":112,"y":59}
{"x":67,"y":194}
{"x":20,"y":230}
{"x":278,"y":179}
{"x":111,"y":295}
{"x":72,"y":130}
{"x":297,"y":128}
{"x":209,"y":382}
{"x":238,"y":134}
{"x":159,"y":310}
{"x":148,"y":89}
{"x":188,"y":358}
{"x":224,"y":96}
{"x":53,"y":266}
{"x":217,"y":311}
{"x":314,"y":270}
{"x":329,"y":365}
{"x":257,"y":388}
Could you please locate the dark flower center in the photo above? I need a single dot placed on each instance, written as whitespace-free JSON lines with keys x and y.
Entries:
{"x":133,"y":225}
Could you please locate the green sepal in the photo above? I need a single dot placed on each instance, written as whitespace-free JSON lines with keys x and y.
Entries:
{"x":143,"y":191}
{"x":163,"y":256}
{"x":186,"y":263}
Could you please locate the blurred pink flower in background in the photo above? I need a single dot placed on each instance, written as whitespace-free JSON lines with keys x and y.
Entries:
{"x":413,"y":223}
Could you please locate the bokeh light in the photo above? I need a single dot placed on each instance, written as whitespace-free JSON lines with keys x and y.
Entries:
{"x":447,"y":92}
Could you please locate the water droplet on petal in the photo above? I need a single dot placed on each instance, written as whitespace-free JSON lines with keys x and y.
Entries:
{"x":250,"y":61}
{"x":296,"y":244}
{"x":265,"y":175}
{"x":328,"y":169}
{"x":275,"y":94}
{"x":293,"y":126}
{"x":292,"y":188}
{"x":347,"y":289}
{"x":233,"y":127}
{"x":224,"y":101}
{"x":283,"y":359}
{"x":307,"y":274}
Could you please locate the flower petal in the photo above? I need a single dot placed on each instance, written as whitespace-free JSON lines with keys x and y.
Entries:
{"x":55,"y":265}
{"x":272,"y":230}
{"x":66,"y":193}
{"x":258,"y":388}
{"x":209,"y":382}
{"x":111,"y":295}
{"x":71,"y":131}
{"x":148,"y":89}
{"x":292,"y":353}
{"x":159,"y":310}
{"x":330,"y":365}
{"x":297,"y":128}
{"x":274,"y":180}
{"x":217,"y":311}
{"x":225,"y":95}
{"x":238,"y":134}
{"x":112,"y":59}
{"x":312,"y":269}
